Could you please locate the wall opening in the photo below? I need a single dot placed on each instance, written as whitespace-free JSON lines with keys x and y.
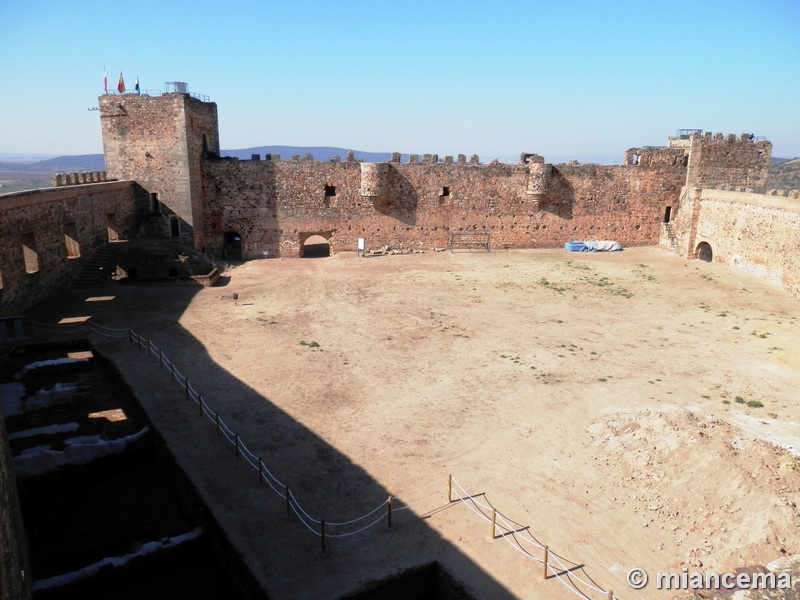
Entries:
{"x":71,"y":240}
{"x":330,"y":190}
{"x":111,"y":227}
{"x":704,"y":252}
{"x":667,"y":214}
{"x":635,"y":159}
{"x":445,"y":191}
{"x":155,"y":205}
{"x":233,"y":246}
{"x":29,"y":254}
{"x":315,"y":246}
{"x":174,"y":227}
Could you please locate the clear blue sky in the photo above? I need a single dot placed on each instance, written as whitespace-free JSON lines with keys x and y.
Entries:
{"x":561,"y":78}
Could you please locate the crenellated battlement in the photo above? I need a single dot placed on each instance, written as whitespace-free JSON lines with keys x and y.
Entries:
{"x":78,"y":178}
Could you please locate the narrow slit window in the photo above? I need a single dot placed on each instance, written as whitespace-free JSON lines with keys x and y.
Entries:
{"x":29,"y":254}
{"x":445,"y":191}
{"x":71,"y":240}
{"x":330,"y":190}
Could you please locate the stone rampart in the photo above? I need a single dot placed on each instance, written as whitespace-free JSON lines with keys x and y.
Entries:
{"x":46,"y":235}
{"x":755,"y":232}
{"x":274,"y":205}
{"x":15,"y":574}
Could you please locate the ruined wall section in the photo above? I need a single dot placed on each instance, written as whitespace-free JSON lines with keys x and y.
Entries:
{"x":728,"y":162}
{"x":15,"y":573}
{"x":157,"y":141}
{"x":40,"y":217}
{"x":756,"y":233}
{"x":273,"y":205}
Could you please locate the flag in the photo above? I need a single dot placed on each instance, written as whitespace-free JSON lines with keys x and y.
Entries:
{"x":136,"y":87}
{"x":105,"y":81}
{"x":121,"y":84}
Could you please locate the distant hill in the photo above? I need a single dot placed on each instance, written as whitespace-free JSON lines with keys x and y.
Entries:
{"x":95,"y":162}
{"x":62,"y":164}
{"x":784,"y":175}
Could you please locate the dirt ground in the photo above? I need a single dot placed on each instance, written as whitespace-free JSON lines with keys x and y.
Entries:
{"x":599,"y":399}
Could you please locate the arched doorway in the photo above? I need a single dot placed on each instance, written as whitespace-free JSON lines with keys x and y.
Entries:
{"x":233,"y":246}
{"x":704,"y":252}
{"x":316,"y":246}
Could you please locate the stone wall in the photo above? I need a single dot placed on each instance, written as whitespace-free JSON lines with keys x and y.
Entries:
{"x":756,"y":233}
{"x":15,"y":574}
{"x":275,"y":205}
{"x":51,"y":226}
{"x":728,"y":162}
{"x":158,"y":142}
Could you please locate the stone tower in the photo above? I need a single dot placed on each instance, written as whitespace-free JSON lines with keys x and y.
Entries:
{"x":159,"y":141}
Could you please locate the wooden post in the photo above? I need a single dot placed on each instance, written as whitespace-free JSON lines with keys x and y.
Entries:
{"x":494,"y":521}
{"x":139,"y":342}
{"x":236,"y":435}
{"x":260,"y":471}
{"x":389,"y":511}
{"x":449,"y":488}
{"x":187,"y":388}
{"x":322,"y":531}
{"x":544,"y":562}
{"x":288,"y":502}
{"x":130,"y":334}
{"x":160,"y":358}
{"x":216,"y":420}
{"x":172,"y":369}
{"x":610,"y":595}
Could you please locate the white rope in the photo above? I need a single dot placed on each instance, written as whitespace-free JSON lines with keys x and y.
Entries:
{"x":302,"y":521}
{"x":246,"y":449}
{"x":210,"y":413}
{"x":341,"y":535}
{"x":224,"y":426}
{"x":361,"y":518}
{"x":270,"y":483}
{"x":407,"y":506}
{"x":470,"y":498}
{"x":477,"y":512}
{"x":312,"y":519}
{"x":107,"y":328}
{"x":576,"y":576}
{"x":398,"y":496}
{"x":252,"y":464}
{"x":268,"y":472}
{"x":230,"y":439}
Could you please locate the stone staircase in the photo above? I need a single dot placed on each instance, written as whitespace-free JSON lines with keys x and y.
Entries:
{"x":96,"y":269}
{"x":671,"y":239}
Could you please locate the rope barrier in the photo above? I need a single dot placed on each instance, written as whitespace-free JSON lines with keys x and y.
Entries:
{"x":341,"y":535}
{"x":512,"y":535}
{"x":427,"y":485}
{"x":407,"y":506}
{"x":361,"y":518}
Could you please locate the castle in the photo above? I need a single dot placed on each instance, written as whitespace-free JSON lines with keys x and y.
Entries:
{"x":703,"y":195}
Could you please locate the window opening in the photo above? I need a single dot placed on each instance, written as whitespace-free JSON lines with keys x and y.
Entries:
{"x":29,"y":254}
{"x":71,"y":240}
